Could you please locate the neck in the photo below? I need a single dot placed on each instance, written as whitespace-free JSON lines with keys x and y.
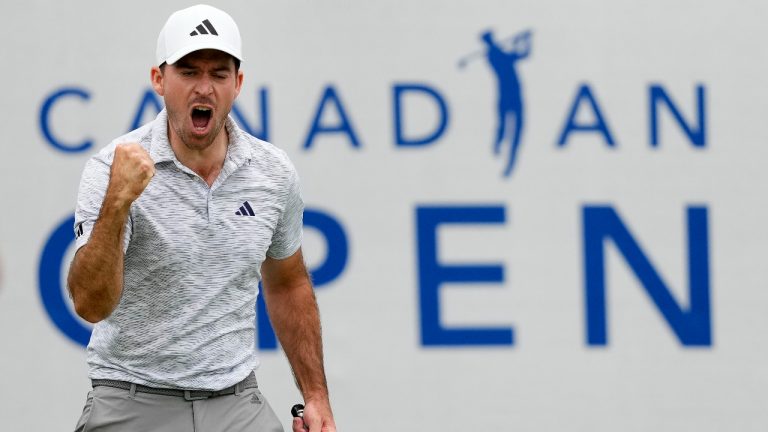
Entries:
{"x":205,"y":161}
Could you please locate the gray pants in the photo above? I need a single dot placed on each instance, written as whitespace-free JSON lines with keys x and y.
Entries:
{"x":110,"y":409}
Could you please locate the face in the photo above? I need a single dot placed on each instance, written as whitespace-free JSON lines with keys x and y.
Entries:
{"x":199,"y":90}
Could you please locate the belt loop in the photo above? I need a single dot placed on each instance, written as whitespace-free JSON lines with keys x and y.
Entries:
{"x":238,"y":388}
{"x":132,"y":392}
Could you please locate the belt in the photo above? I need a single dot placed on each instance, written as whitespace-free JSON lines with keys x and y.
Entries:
{"x":247,"y":383}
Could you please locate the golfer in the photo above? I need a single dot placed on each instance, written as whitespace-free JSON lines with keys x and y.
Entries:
{"x":177,"y":222}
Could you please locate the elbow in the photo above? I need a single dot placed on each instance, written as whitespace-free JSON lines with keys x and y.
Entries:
{"x":91,"y":318}
{"x":86,"y":308}
{"x":89,"y":313}
{"x":85,"y":305}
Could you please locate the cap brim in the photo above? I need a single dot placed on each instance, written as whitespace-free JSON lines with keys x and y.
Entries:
{"x":173,"y":58}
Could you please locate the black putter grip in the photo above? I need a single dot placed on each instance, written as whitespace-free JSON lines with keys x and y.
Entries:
{"x":297,"y":410}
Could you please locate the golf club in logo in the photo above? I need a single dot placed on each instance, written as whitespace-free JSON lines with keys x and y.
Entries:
{"x":503,"y":55}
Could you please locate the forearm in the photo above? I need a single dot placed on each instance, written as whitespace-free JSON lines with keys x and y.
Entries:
{"x":295,"y":318}
{"x":96,"y":275}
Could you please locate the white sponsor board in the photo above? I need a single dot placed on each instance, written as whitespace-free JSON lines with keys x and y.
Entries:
{"x":610,"y":278}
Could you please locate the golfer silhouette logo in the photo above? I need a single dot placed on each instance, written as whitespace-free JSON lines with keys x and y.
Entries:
{"x":502,"y":56}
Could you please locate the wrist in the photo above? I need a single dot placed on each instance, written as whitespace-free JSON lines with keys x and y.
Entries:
{"x":118,"y":202}
{"x":319,"y":396}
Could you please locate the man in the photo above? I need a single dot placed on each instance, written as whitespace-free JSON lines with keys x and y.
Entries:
{"x":510,"y":95}
{"x":176,"y":224}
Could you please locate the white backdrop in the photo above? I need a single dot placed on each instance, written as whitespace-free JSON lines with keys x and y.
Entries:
{"x":381,"y":374}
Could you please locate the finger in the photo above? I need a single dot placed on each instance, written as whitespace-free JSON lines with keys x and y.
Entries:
{"x":298,"y":425}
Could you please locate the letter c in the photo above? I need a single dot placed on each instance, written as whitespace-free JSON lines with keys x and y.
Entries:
{"x":45,"y":112}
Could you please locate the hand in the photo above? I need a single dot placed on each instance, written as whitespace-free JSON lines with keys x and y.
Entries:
{"x":317,"y":417}
{"x":132,"y":169}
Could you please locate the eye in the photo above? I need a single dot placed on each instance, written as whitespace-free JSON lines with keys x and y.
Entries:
{"x":187,"y":73}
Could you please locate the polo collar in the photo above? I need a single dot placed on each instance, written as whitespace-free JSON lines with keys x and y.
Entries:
{"x":239,"y":149}
{"x":160,"y":148}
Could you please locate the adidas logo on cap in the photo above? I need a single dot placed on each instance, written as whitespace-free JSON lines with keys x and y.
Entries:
{"x":201,"y":29}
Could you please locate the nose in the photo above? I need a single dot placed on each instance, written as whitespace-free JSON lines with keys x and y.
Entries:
{"x":204,"y":85}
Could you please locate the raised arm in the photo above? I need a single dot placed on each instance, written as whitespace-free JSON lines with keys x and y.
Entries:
{"x":522,"y":45}
{"x":95,"y":278}
{"x":293,"y":311}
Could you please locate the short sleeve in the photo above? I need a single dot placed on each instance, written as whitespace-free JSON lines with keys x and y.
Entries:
{"x":287,"y":237}
{"x":90,"y":195}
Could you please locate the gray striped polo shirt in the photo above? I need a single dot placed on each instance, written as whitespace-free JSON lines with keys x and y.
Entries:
{"x":193,"y":258}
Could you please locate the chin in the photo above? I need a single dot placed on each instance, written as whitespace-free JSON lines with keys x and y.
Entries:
{"x":198,"y":143}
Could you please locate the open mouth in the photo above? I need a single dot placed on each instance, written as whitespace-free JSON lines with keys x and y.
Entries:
{"x":201,"y":117}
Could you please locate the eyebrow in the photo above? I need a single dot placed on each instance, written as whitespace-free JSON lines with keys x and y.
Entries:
{"x":184,"y":65}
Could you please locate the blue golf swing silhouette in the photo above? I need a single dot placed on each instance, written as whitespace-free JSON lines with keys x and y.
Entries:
{"x":502,"y":56}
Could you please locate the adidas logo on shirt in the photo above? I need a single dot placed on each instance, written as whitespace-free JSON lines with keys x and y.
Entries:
{"x":201,"y":29}
{"x":245,"y":210}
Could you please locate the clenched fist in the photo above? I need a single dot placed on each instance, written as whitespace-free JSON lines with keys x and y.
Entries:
{"x":132,"y":169}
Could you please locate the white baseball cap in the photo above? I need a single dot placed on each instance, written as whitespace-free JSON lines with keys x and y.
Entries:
{"x":195,"y":28}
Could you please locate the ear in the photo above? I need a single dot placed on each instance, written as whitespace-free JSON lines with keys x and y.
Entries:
{"x":156,"y":77}
{"x":238,"y":82}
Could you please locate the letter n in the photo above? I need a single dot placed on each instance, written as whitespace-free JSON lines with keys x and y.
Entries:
{"x":692,"y":326}
{"x":696,"y":133}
